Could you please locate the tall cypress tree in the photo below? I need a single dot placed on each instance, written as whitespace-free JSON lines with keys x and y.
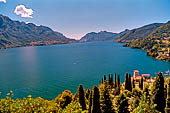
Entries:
{"x":109,"y":79}
{"x":126,"y":81}
{"x":90,"y":103}
{"x":141,"y":83}
{"x":95,"y":101}
{"x":82,"y":97}
{"x":158,"y":93}
{"x":133,"y":83}
{"x":115,"y":85}
{"x":106,"y":103}
{"x":130,"y":83}
{"x":104,"y":78}
{"x":167,"y":108}
{"x":118,"y":80}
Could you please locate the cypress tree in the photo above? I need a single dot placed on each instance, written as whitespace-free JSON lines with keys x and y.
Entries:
{"x":109,"y":79}
{"x":126,"y":81}
{"x":141,"y":83}
{"x":95,"y":101}
{"x":81,"y":97}
{"x":88,"y":93}
{"x":106,"y":103}
{"x":133,"y":83}
{"x":115,"y":85}
{"x":118,"y":80}
{"x":158,"y":93}
{"x":167,"y":108}
{"x":104,"y":78}
{"x":90,"y":103}
{"x":130,"y":83}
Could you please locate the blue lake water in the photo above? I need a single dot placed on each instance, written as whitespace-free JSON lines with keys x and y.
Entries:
{"x":46,"y":71}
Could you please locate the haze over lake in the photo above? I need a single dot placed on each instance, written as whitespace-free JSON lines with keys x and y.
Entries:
{"x":46,"y":71}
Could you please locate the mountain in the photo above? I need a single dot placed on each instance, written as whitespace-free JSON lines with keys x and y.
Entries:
{"x":100,"y":36}
{"x":138,"y":33}
{"x":157,"y":44}
{"x":16,"y":34}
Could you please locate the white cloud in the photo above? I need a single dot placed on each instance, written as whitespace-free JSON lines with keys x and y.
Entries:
{"x":3,"y":1}
{"x":23,"y":11}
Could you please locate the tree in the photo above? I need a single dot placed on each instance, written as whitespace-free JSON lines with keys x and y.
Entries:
{"x":90,"y":103}
{"x":117,"y":91}
{"x":115,"y":85}
{"x":133,"y":83}
{"x":126,"y":81}
{"x":81,"y":97}
{"x":118,"y":80}
{"x":158,"y":93}
{"x":106,"y":103}
{"x":95,"y":101}
{"x":141,"y":83}
{"x":104,"y":78}
{"x":122,"y":104}
{"x":109,"y":79}
{"x":167,"y":108}
{"x":130,"y":83}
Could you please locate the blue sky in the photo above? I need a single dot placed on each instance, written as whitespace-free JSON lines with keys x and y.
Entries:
{"x":75,"y":18}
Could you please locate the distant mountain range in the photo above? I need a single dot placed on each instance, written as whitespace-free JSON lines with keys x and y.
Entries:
{"x":16,"y":34}
{"x":137,"y":33}
{"x":124,"y":36}
{"x":100,"y":36}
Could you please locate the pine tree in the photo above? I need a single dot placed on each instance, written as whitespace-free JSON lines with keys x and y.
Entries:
{"x":130,"y":83}
{"x":90,"y":103}
{"x":106,"y":103}
{"x":158,"y":93}
{"x":167,"y":108}
{"x":82,"y":97}
{"x":126,"y":81}
{"x":95,"y":101}
{"x":133,"y":83}
{"x":115,"y":85}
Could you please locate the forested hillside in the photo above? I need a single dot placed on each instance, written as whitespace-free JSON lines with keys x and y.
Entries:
{"x":157,"y":44}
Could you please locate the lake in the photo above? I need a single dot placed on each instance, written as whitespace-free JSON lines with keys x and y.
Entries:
{"x":46,"y":71}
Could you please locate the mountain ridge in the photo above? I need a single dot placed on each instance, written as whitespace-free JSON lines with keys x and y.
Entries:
{"x":18,"y":34}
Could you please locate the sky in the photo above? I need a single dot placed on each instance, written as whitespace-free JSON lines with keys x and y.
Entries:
{"x":75,"y":18}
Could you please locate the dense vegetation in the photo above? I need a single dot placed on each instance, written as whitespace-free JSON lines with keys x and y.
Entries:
{"x":157,"y":44}
{"x":111,"y":96}
{"x":16,"y":34}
